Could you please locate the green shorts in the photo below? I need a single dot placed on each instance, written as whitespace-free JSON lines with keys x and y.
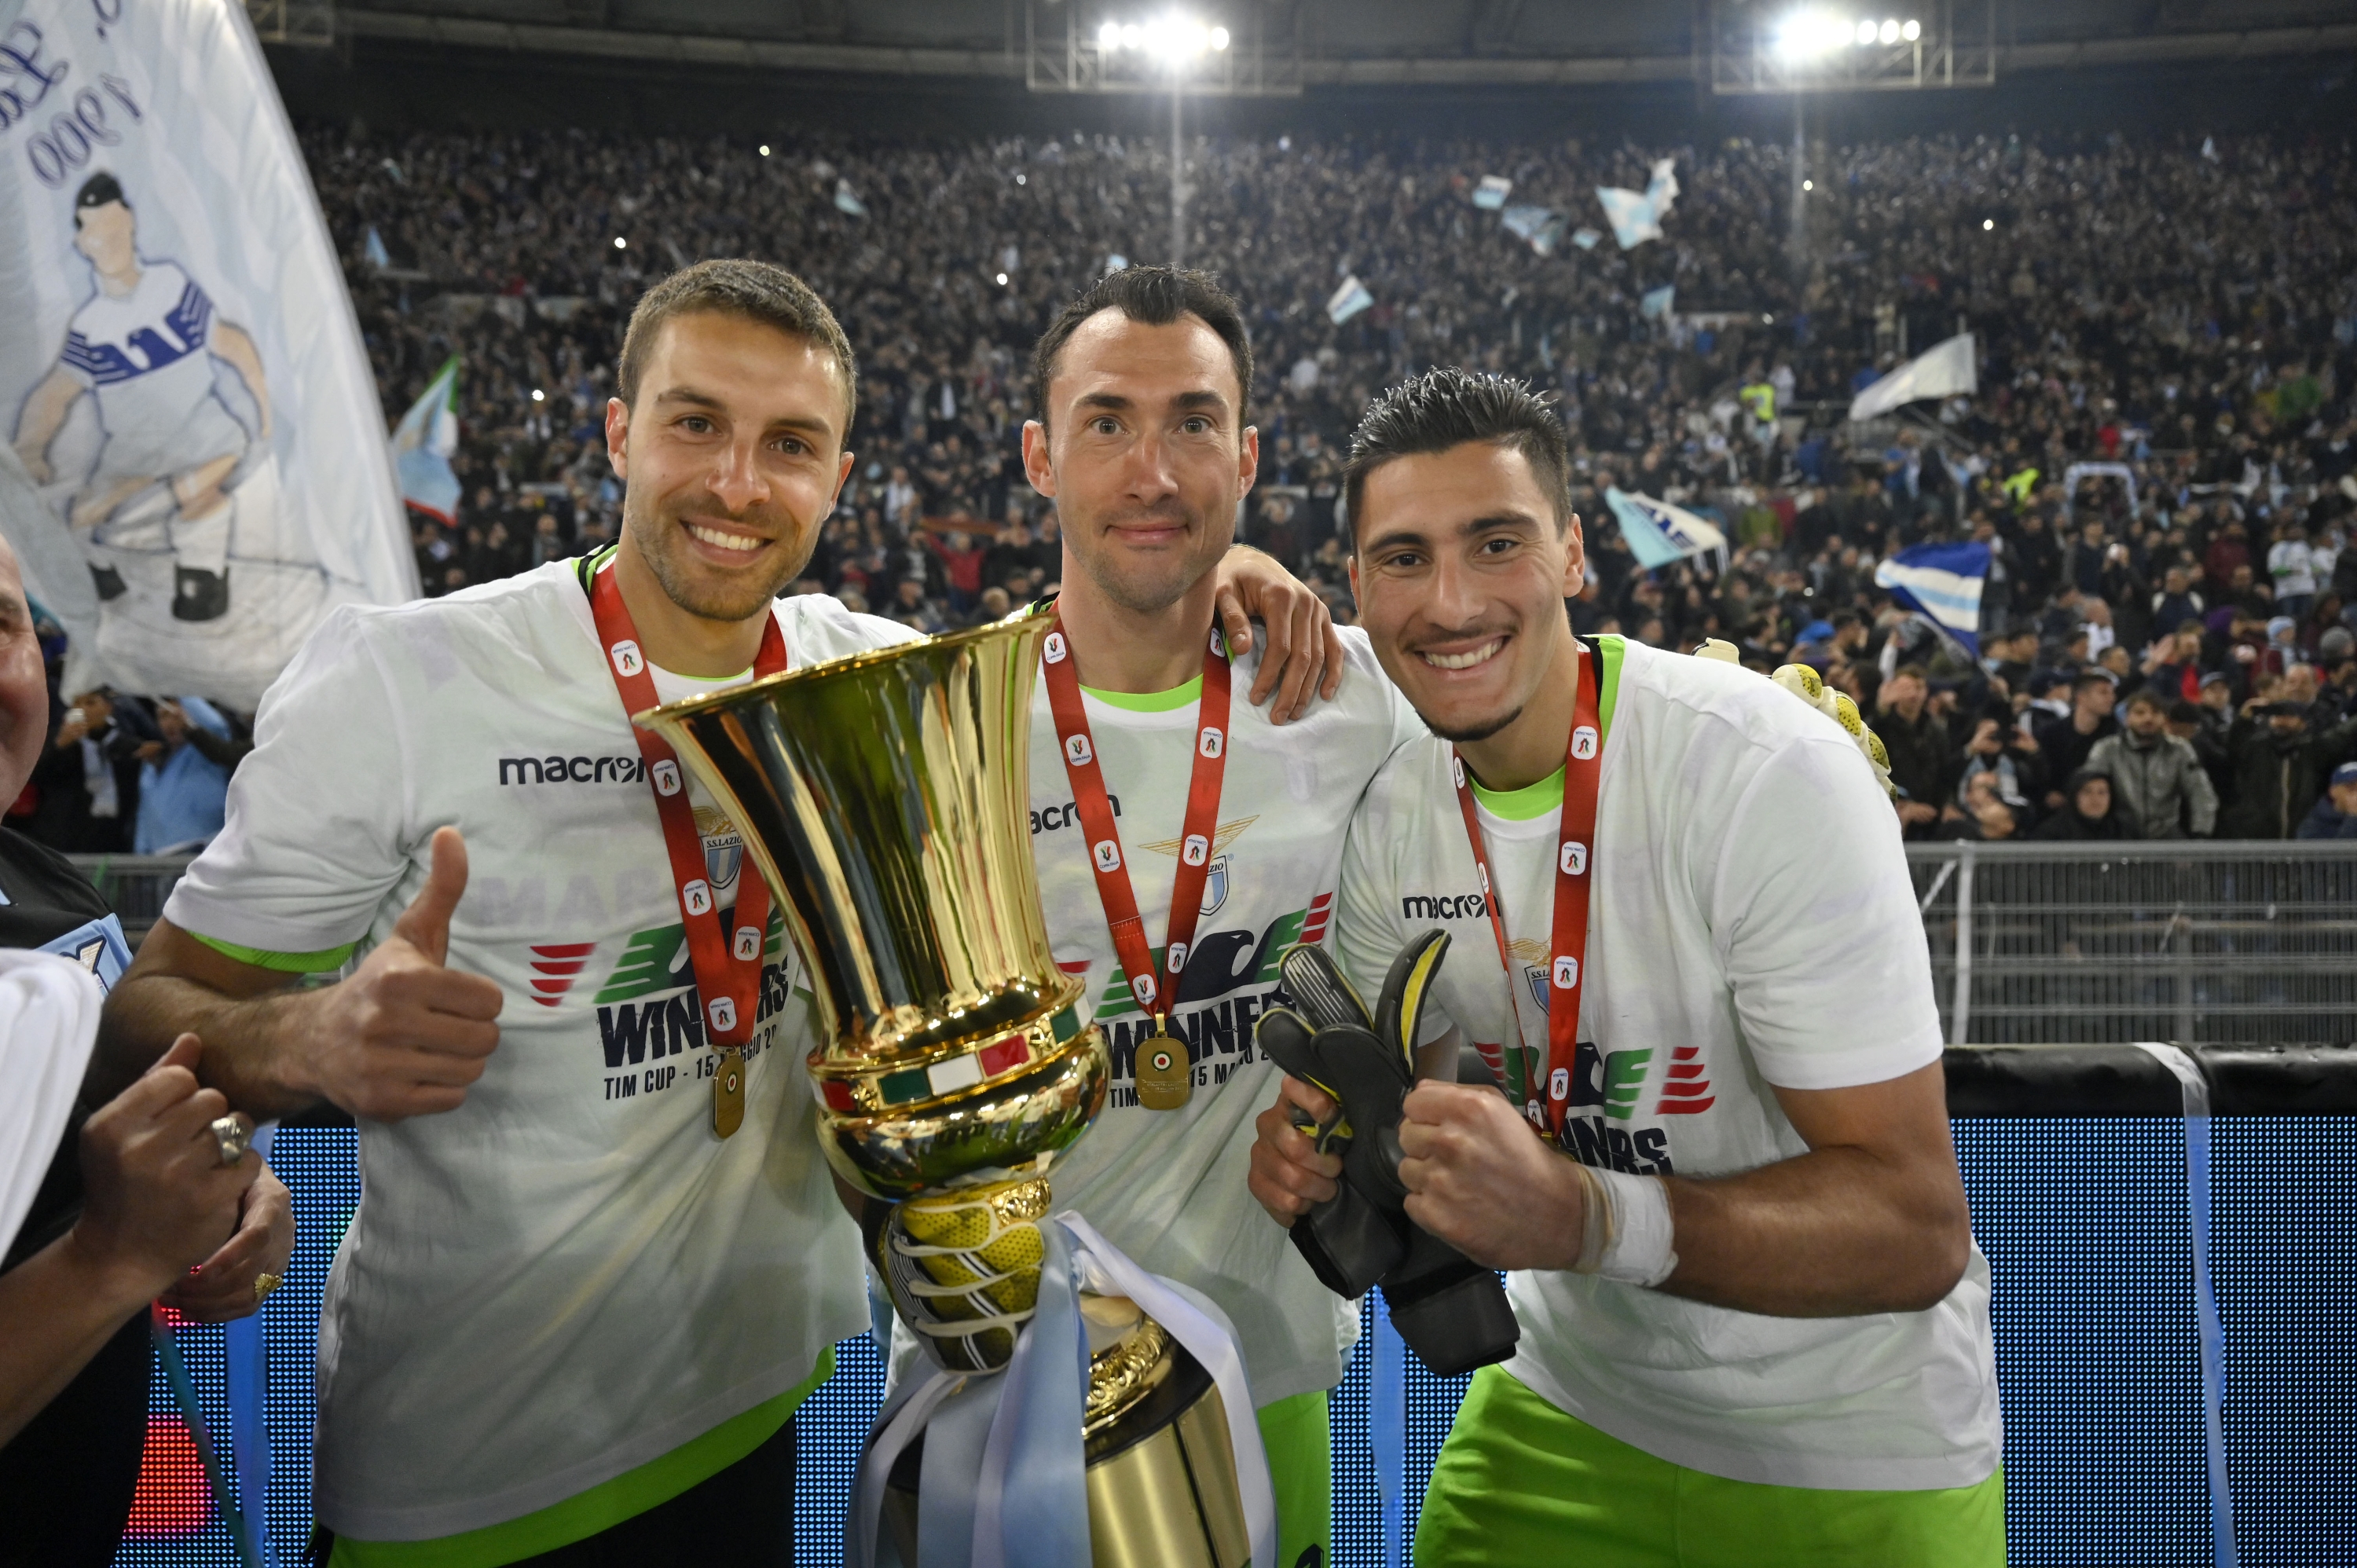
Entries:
{"x":1300,"y":1446}
{"x":1519,"y":1482}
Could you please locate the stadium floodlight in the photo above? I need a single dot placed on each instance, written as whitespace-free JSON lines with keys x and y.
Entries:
{"x":1173,"y":39}
{"x":1806,"y":33}
{"x":1818,"y":46}
{"x":621,"y":243}
{"x":1155,"y":46}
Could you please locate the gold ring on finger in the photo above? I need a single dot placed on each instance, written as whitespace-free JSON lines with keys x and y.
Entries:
{"x":263,"y":1283}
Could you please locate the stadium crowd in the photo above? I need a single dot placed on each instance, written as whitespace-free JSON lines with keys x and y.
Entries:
{"x":2166,"y":641}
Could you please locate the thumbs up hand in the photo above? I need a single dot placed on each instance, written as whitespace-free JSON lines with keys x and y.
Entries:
{"x":404,"y":1036}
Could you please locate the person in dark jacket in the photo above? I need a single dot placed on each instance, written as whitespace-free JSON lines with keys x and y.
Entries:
{"x":2280,"y":768}
{"x":1922,"y":758}
{"x":2065,"y":744}
{"x":2088,"y":812}
{"x":2334,"y":815}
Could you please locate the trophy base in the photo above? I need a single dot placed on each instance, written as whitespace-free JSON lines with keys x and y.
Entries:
{"x":1161,"y":1470}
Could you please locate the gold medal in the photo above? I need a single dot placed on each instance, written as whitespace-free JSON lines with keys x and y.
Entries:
{"x":1164,"y":1076}
{"x":728,"y":1091}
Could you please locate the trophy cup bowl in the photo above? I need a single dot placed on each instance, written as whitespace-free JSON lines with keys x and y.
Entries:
{"x":885,"y":798}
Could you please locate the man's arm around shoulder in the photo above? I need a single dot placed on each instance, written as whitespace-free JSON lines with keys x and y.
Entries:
{"x":403,"y":1035}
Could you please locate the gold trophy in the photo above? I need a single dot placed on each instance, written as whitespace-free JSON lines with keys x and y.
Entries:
{"x":885,"y":799}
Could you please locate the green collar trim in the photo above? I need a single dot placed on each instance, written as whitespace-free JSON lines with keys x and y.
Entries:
{"x":1151,"y":701}
{"x":1537,"y":800}
{"x":1521,"y":805}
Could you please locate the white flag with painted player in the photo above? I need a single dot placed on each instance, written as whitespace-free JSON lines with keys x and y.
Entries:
{"x":1943,"y":371}
{"x":195,"y":471}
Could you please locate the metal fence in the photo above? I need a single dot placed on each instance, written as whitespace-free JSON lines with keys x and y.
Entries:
{"x":136,"y":885}
{"x":2227,"y":942}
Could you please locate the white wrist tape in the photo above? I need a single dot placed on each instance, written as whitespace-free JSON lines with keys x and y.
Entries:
{"x":1628,"y":1232}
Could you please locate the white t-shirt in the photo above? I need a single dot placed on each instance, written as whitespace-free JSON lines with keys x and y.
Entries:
{"x":2292,"y":565}
{"x":1752,"y":924}
{"x":570,"y":1276}
{"x":1168,"y":1186}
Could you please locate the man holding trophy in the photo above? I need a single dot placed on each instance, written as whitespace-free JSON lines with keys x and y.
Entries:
{"x":598,"y":1261}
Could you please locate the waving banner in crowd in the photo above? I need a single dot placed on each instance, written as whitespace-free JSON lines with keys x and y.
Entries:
{"x":1659,"y":533}
{"x":1942,"y":583}
{"x":1943,"y":371}
{"x":194,"y":466}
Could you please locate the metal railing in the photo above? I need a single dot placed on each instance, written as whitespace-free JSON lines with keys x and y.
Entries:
{"x":2244,"y":941}
{"x":2232,"y":943}
{"x":134,"y":886}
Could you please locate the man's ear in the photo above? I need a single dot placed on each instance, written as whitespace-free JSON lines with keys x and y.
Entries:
{"x":1575,"y":558}
{"x":1037,"y":466}
{"x":617,"y":438}
{"x":842,"y":472}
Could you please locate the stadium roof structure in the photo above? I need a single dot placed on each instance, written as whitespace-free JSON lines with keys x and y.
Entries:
{"x":1323,"y":43}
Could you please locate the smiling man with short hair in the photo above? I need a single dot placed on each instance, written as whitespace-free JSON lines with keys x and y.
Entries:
{"x":1222,"y":825}
{"x":575,"y":1313}
{"x":1754,"y":1324}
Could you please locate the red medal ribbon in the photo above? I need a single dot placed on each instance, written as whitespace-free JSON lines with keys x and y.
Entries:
{"x":1152,"y":986}
{"x":1576,"y":852}
{"x":728,"y":969}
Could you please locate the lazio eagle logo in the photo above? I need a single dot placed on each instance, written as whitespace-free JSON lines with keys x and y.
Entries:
{"x":1215,"y":880}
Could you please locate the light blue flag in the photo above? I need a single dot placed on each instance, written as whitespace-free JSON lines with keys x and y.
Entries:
{"x":1630,"y":214}
{"x":1349,"y":300}
{"x":845,"y":201}
{"x":423,"y":443}
{"x":1657,"y":301}
{"x":1541,"y":226}
{"x":1659,"y":533}
{"x":1943,"y":584}
{"x":1490,"y":194}
{"x":374,"y":248}
{"x":1585,"y":238}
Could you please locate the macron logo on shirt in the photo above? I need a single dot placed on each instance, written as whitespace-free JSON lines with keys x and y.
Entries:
{"x":573,"y":770}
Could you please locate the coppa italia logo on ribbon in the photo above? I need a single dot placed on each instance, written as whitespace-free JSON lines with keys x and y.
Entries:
{"x":1053,"y":650}
{"x":627,"y":660}
{"x":1077,"y":747}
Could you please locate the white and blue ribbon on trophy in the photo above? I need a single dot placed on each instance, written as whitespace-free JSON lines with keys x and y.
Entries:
{"x":1017,"y":1434}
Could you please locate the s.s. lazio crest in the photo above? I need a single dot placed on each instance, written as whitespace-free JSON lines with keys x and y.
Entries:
{"x":1215,"y":885}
